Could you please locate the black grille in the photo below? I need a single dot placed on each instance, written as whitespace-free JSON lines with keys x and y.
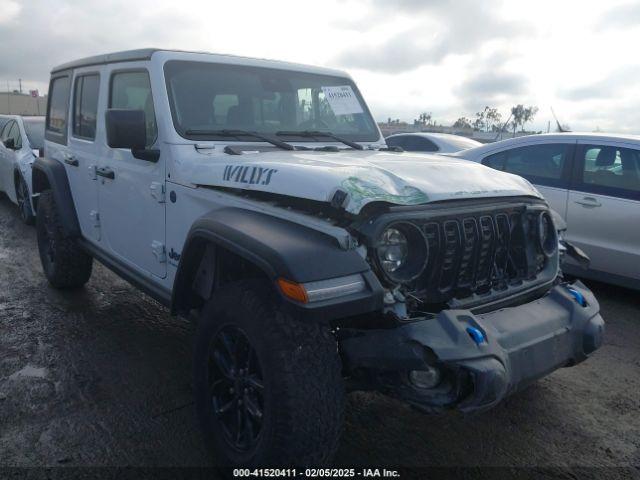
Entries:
{"x":479,"y":253}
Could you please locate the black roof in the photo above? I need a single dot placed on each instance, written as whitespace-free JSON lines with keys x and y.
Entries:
{"x":126,"y":56}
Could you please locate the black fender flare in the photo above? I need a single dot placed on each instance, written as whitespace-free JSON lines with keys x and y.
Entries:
{"x":278,"y":247}
{"x":50,"y":174}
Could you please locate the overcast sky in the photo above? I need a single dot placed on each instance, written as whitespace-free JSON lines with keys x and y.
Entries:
{"x":450,"y":58}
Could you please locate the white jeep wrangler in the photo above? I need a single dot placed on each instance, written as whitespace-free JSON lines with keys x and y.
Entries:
{"x":259,"y":197}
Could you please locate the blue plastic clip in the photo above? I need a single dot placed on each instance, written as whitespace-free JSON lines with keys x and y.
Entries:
{"x":578,"y":296}
{"x":476,"y":335}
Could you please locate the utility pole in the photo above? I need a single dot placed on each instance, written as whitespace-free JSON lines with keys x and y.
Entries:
{"x":20,"y":85}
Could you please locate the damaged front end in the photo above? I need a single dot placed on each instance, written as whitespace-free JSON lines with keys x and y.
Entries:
{"x":478,"y":310}
{"x":459,"y":359}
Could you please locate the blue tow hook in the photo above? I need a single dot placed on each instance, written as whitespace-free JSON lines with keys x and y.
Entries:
{"x":577,"y":296}
{"x":476,"y":335}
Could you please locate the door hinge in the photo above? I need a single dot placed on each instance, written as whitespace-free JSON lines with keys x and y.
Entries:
{"x":95,"y":219}
{"x":157,"y":191}
{"x":159,"y":251}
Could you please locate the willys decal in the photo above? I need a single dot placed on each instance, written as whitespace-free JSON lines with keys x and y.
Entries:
{"x":247,"y":174}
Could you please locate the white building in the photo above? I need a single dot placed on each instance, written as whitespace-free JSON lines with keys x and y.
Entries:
{"x":15,"y":103}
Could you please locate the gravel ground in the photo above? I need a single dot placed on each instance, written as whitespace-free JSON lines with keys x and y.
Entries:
{"x":101,"y":377}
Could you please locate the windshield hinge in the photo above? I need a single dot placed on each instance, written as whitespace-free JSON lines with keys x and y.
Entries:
{"x":157,"y":191}
{"x":95,"y":222}
{"x":159,"y":251}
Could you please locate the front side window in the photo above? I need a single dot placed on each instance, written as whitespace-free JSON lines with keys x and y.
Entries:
{"x":12,"y":132}
{"x":610,"y":170}
{"x":208,"y":97}
{"x":497,"y":160}
{"x":58,"y":105}
{"x":132,"y":91}
{"x":540,"y":164}
{"x":34,"y":129}
{"x":85,"y":106}
{"x":6,"y":127}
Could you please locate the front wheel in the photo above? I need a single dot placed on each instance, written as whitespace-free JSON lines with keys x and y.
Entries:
{"x":269,"y":389}
{"x":23,"y":198}
{"x":66,"y":265}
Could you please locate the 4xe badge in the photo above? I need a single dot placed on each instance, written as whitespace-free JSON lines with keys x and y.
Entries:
{"x":174,"y":256}
{"x":247,"y":174}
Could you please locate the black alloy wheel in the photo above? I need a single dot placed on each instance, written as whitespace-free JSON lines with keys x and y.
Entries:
{"x":236,"y":388}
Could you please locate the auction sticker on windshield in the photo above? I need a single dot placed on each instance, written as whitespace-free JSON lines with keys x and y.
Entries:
{"x":342,"y":100}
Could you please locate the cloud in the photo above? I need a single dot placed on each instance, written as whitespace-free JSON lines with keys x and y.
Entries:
{"x":612,"y":85}
{"x":626,"y":15}
{"x":46,"y":33}
{"x":9,"y":9}
{"x":490,"y":85}
{"x":444,"y":27}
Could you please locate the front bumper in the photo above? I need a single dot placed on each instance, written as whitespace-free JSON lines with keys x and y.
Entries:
{"x":520,"y":344}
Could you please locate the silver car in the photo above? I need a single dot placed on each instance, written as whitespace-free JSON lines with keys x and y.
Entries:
{"x":21,"y":142}
{"x":593,"y":181}
{"x":430,"y":142}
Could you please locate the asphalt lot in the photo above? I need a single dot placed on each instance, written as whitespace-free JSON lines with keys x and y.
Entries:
{"x":102,"y":377}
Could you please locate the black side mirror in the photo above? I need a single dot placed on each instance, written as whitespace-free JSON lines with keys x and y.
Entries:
{"x":127,"y":129}
{"x":10,"y":143}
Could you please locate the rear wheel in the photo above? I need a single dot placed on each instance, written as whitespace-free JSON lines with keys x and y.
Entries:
{"x":23,"y":198}
{"x":269,"y":388}
{"x":66,"y":265}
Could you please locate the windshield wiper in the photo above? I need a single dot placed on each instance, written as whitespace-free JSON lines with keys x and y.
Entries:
{"x":314,"y":133}
{"x":241,"y":133}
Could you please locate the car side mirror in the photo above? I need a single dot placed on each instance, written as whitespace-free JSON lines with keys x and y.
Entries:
{"x":128,"y":129}
{"x":10,"y":143}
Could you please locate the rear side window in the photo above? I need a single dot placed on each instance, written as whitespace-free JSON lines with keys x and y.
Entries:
{"x":132,"y":91}
{"x":542,"y":164}
{"x":609,"y":170}
{"x":412,"y":143}
{"x":85,"y":106}
{"x":58,"y":105}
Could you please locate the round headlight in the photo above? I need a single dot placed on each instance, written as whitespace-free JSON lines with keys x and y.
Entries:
{"x":547,"y":235}
{"x":393,"y":249}
{"x":402,"y":252}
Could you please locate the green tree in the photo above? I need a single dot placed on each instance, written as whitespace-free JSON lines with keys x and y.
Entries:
{"x":522,"y":115}
{"x":462,"y":122}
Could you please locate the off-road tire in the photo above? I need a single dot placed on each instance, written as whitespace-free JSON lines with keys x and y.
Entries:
{"x":303,"y":387}
{"x":24,"y":201}
{"x":66,"y":265}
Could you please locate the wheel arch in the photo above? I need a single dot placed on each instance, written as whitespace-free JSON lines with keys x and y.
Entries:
{"x":51,"y":175}
{"x":255,"y":244}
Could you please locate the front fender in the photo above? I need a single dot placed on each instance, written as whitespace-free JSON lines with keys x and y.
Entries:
{"x":50,"y":174}
{"x":278,"y":247}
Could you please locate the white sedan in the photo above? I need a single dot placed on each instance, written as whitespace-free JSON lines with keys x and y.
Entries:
{"x":593,"y":181}
{"x":430,"y":142}
{"x":21,"y":142}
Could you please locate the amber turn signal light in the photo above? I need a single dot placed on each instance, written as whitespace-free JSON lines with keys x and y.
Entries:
{"x":293,"y":290}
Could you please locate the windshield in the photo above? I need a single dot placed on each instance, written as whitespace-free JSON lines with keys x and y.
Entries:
{"x":212,"y":97}
{"x":35,"y":131}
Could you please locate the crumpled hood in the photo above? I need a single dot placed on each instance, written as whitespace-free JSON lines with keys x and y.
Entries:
{"x":365,"y":176}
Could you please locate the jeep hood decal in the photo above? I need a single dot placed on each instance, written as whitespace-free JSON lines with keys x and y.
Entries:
{"x":365,"y":176}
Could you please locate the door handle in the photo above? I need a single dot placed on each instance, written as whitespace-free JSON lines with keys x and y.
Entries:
{"x":589,"y":202}
{"x":105,"y":172}
{"x":71,"y":160}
